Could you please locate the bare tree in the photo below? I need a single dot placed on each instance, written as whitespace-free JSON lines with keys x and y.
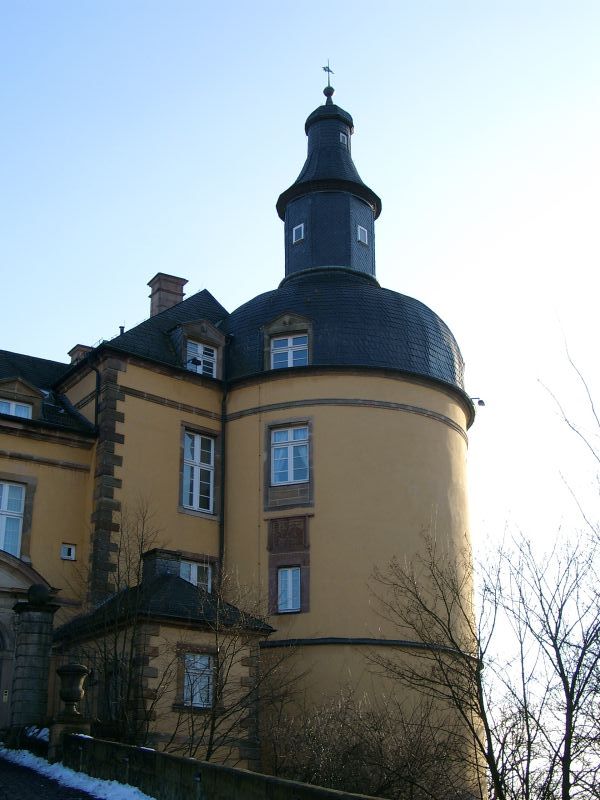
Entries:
{"x":245,"y":683}
{"x":523,"y":681}
{"x":390,"y":749}
{"x":113,"y":639}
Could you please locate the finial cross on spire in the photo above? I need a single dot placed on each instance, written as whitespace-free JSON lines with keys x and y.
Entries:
{"x":329,"y":72}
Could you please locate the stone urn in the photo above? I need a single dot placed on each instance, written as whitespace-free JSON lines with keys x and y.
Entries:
{"x":72,"y":677}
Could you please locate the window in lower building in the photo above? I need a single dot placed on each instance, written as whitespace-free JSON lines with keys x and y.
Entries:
{"x":198,"y":472}
{"x":198,"y":574}
{"x":22,"y":410}
{"x":288,"y":589}
{"x":289,"y":455}
{"x":289,"y":351}
{"x":12,"y":504}
{"x":201,"y":358}
{"x":198,"y":680}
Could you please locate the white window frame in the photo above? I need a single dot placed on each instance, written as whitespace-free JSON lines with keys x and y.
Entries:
{"x":68,"y":552}
{"x":198,"y":472}
{"x":290,"y":445}
{"x":201,"y":358}
{"x":289,"y":590}
{"x":15,"y":408}
{"x":200,"y":574}
{"x":344,"y":139}
{"x":7,"y":513}
{"x":362,"y":234}
{"x":298,"y":233}
{"x":198,"y":680}
{"x":290,"y":349}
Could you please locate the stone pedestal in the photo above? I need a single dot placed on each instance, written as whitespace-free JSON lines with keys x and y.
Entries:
{"x":32,"y":658}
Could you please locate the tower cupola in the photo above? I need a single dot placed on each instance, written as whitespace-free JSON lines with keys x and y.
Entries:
{"x":329,"y":212}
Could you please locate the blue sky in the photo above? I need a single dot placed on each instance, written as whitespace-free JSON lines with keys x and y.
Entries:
{"x":140,"y":137}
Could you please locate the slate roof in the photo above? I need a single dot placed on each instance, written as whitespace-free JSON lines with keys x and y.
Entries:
{"x":56,"y":410}
{"x":38,"y":371}
{"x":355,"y":323}
{"x":329,"y":165}
{"x":151,"y":338}
{"x":166,"y":597}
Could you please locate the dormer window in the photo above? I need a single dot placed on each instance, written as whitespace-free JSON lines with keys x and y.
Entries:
{"x":201,"y":358}
{"x":298,"y":233}
{"x":198,"y":574}
{"x":289,"y":351}
{"x":362,"y":235}
{"x":343,"y":139}
{"x":15,"y":409}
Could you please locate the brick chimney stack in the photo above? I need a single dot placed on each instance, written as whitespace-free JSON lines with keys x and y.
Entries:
{"x":166,"y":291}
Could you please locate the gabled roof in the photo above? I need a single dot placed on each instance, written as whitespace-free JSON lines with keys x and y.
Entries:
{"x":37,"y":371}
{"x":151,"y":338}
{"x":166,"y":597}
{"x":56,"y":410}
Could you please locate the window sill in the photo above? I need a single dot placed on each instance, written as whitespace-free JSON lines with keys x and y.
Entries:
{"x":196,"y":513}
{"x":187,"y":709}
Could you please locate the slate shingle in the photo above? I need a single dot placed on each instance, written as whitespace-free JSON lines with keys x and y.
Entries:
{"x":356,"y":323}
{"x":165,"y":597}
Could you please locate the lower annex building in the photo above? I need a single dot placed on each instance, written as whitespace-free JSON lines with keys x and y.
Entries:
{"x":286,"y":448}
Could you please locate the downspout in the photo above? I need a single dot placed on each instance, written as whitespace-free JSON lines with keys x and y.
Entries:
{"x":97,"y":397}
{"x":223,"y":470}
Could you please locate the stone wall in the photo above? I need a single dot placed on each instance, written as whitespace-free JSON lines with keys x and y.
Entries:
{"x":168,"y":777}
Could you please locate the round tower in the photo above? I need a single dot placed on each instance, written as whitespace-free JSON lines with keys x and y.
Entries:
{"x":347,"y":421}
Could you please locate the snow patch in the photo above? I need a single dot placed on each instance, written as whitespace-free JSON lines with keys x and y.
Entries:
{"x":38,"y":733}
{"x":105,"y":790}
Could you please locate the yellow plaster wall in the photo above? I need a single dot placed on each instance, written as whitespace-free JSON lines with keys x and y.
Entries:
{"x":84,"y":386}
{"x":61,"y":507}
{"x":382,"y":478}
{"x":151,"y":453}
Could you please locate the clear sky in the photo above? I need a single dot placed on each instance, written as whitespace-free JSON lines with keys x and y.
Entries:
{"x":139,"y":137}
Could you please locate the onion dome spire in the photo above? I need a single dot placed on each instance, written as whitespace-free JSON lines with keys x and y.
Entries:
{"x":329,"y":211}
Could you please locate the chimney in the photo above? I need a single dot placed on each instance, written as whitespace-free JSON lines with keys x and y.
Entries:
{"x":167,"y":291}
{"x":79,"y":352}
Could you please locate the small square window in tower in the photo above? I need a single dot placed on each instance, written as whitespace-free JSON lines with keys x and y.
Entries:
{"x":289,"y":351}
{"x":201,"y":358}
{"x":362,"y":235}
{"x":343,"y":139}
{"x":298,"y":233}
{"x":289,"y":455}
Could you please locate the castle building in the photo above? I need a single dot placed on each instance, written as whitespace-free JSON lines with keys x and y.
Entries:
{"x":291,"y":446}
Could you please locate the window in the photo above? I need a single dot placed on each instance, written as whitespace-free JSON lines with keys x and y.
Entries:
{"x":298,"y":233}
{"x":15,"y":409}
{"x":362,"y":235}
{"x":201,"y":358}
{"x":68,"y":552}
{"x":289,"y":455}
{"x":198,"y":680}
{"x":343,"y":139}
{"x":198,"y":472}
{"x":12,"y":504}
{"x":288,"y":589}
{"x":289,"y":351}
{"x":198,"y":574}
